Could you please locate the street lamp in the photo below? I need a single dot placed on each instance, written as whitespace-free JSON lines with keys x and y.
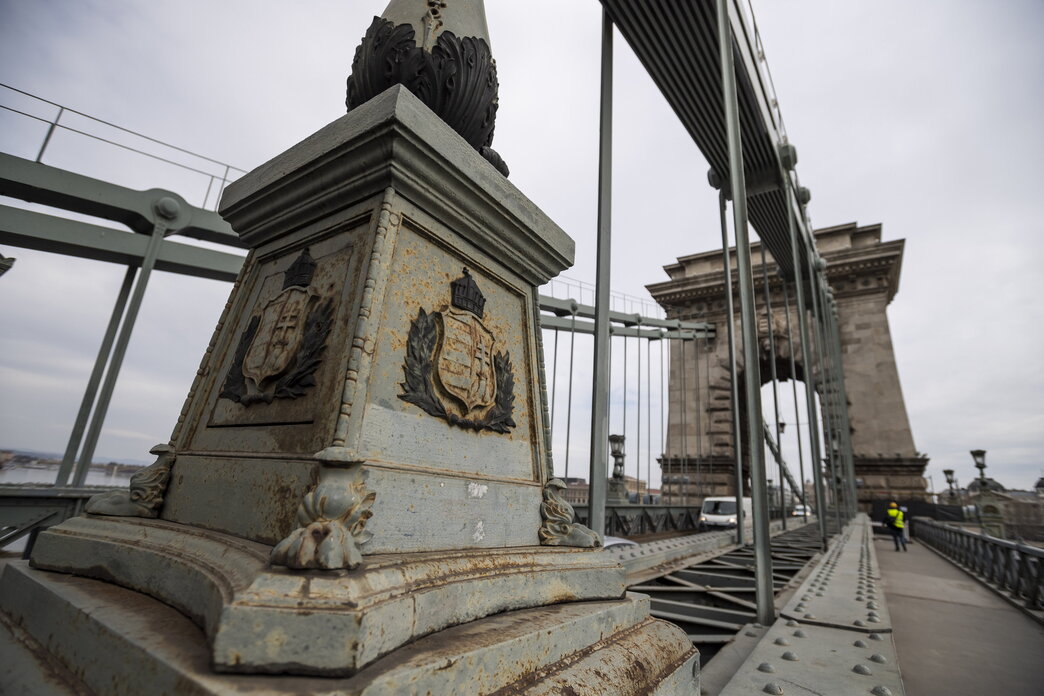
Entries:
{"x":980,"y":463}
{"x":616,"y":443}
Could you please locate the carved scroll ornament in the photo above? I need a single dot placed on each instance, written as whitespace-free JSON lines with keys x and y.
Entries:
{"x":558,"y":528}
{"x":144,"y":497}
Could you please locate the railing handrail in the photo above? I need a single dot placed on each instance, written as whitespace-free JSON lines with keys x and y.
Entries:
{"x":1035,"y":551}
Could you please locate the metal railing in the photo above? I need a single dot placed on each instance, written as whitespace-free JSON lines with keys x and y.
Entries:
{"x":1014,"y":570}
{"x":218,"y":174}
{"x":631,"y":520}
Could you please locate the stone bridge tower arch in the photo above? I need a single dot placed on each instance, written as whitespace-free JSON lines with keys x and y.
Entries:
{"x":863,"y":271}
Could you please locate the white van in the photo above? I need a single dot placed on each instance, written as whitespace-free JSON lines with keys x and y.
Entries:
{"x":721,"y":512}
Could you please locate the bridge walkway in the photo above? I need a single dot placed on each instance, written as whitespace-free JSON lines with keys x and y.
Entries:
{"x":953,"y":635}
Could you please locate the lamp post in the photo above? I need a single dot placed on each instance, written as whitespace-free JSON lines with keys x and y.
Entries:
{"x":948,"y":473}
{"x":617,"y":494}
{"x":980,"y":463}
{"x":979,"y":456}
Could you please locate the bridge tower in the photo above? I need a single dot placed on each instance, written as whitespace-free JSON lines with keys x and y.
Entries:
{"x":863,"y":272}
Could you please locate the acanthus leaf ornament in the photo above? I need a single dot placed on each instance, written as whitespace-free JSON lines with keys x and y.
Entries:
{"x":332,"y":525}
{"x":455,"y":76}
{"x":451,"y":369}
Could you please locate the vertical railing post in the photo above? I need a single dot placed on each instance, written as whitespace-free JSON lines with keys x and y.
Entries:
{"x":600,"y":380}
{"x":764,"y":590}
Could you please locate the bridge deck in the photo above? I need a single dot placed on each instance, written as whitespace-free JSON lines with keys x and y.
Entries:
{"x":952,"y":635}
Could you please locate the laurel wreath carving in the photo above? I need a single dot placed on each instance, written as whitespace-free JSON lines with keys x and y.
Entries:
{"x":296,"y":381}
{"x":419,"y":388}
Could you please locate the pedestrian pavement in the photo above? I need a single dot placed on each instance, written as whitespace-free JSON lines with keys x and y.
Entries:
{"x":953,"y":635}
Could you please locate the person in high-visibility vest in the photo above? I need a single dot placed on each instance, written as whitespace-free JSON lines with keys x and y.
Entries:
{"x":896,"y":521}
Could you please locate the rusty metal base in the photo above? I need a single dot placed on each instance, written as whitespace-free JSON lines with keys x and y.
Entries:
{"x":260,"y":619}
{"x":63,"y":634}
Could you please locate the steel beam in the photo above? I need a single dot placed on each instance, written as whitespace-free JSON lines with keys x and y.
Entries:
{"x":89,"y":394}
{"x":58,"y":235}
{"x":58,"y":188}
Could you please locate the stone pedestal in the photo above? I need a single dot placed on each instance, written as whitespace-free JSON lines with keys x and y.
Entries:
{"x":363,"y":458}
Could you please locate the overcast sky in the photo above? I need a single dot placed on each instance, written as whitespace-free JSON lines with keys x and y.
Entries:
{"x":923,"y":116}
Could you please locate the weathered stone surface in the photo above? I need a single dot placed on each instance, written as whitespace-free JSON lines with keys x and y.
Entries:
{"x":134,"y":645}
{"x":863,"y":272}
{"x":275,"y":620}
{"x":363,"y":457}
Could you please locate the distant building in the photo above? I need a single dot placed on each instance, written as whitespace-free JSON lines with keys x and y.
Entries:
{"x":1022,"y":512}
{"x":577,"y":490}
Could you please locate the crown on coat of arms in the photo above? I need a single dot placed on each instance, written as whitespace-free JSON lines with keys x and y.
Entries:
{"x":300,"y":272}
{"x":466,"y":294}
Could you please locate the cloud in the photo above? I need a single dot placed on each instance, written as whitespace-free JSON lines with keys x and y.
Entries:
{"x":928,"y":125}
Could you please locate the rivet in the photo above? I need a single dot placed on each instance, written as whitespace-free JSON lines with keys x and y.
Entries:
{"x":810,"y":616}
{"x":781,"y":641}
{"x":874,"y":619}
{"x":873,"y":614}
{"x":788,"y":655}
{"x":862,"y":669}
{"x":875,"y":636}
{"x":871,"y":605}
{"x":881,"y":691}
{"x":860,"y":643}
{"x":766,"y":667}
{"x":879,"y":658}
{"x":771,"y":688}
{"x":792,"y":622}
{"x":800,"y":633}
{"x":752,"y":634}
{"x":858,"y":622}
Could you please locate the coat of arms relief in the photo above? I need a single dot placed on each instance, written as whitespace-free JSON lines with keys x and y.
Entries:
{"x":453,"y":370}
{"x":282,"y":346}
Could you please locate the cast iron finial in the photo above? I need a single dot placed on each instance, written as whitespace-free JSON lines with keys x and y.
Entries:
{"x":439,"y":50}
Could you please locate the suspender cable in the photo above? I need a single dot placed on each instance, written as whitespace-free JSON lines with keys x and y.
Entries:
{"x":699,"y":425}
{"x":706,"y":371}
{"x":554,"y":383}
{"x":638,"y":421}
{"x":775,"y":382}
{"x":797,"y":411}
{"x":663,"y":429}
{"x":600,"y":376}
{"x":806,"y":354}
{"x":624,"y":430}
{"x":569,"y":396}
{"x":685,"y":426}
{"x":763,"y":589}
{"x":737,"y":439}
{"x":825,"y":401}
{"x":648,"y":416}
